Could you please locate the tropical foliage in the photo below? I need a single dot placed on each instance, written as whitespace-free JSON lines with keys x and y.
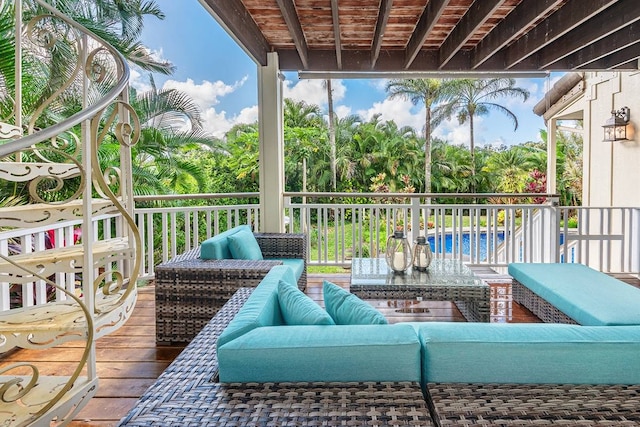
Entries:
{"x":349,"y":154}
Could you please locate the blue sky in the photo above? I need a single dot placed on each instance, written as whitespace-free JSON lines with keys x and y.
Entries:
{"x":217,"y":73}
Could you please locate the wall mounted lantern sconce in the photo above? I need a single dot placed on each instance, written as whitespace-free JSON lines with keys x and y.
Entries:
{"x":615,"y":128}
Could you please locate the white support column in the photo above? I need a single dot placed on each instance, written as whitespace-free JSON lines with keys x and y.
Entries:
{"x":271,"y":146}
{"x":551,"y":215}
{"x":552,"y":158}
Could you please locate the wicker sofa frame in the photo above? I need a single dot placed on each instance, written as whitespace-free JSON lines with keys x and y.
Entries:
{"x":547,"y":312}
{"x":191,"y":290}
{"x":188,"y":393}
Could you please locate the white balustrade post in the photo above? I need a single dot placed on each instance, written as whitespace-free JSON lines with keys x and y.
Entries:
{"x":635,"y":242}
{"x":415,"y":219}
{"x":551,"y":231}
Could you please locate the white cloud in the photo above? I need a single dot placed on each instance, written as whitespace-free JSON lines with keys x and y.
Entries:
{"x":247,"y":115}
{"x":138,"y":81}
{"x":312,"y":92}
{"x":457,"y":134}
{"x":401,"y":111}
{"x":342,"y":111}
{"x":158,"y":55}
{"x":205,"y":94}
{"x":380,"y":84}
{"x":218,"y":124}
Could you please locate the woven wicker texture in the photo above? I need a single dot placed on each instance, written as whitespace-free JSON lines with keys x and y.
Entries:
{"x":190,"y":290}
{"x":186,"y":394}
{"x":465,"y":405}
{"x":473,"y":302}
{"x":538,"y":306}
{"x":293,"y":404}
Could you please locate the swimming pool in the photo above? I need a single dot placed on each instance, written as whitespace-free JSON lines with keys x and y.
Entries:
{"x":463,"y":240}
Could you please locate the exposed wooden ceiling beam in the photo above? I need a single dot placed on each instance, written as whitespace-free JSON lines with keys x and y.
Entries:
{"x":335,"y":15}
{"x":290,"y":16}
{"x":572,"y":14}
{"x":626,"y":58}
{"x":475,"y":17}
{"x":427,"y":21}
{"x":357,"y":60}
{"x":524,"y":15}
{"x":381,"y":25}
{"x":238,"y":23}
{"x":603,"y":48}
{"x":612,"y":20}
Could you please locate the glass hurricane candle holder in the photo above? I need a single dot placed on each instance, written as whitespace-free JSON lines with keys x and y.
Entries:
{"x":422,"y":254}
{"x":398,"y":255}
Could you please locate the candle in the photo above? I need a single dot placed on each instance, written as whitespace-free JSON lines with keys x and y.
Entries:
{"x":398,"y":261}
{"x":423,"y":260}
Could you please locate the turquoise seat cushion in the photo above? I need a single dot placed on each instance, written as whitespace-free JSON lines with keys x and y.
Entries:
{"x":243,"y":245}
{"x":582,"y":293}
{"x":529,"y":353}
{"x":299,"y":309}
{"x":322,"y":353}
{"x":347,"y":309}
{"x":297,"y":265}
{"x":261,"y":308}
{"x":217,"y":247}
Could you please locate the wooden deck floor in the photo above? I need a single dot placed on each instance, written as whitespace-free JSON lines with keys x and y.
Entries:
{"x":129,"y":361}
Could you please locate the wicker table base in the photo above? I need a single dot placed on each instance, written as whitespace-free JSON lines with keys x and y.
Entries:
{"x":446,"y":280}
{"x":466,"y":405}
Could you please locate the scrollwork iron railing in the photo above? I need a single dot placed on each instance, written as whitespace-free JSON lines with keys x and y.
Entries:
{"x":69,"y":245}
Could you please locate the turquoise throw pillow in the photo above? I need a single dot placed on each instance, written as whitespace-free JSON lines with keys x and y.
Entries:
{"x":299,"y":309}
{"x":243,"y":245}
{"x":347,"y":309}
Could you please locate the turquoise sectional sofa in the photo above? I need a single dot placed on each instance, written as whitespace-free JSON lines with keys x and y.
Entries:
{"x":258,"y":346}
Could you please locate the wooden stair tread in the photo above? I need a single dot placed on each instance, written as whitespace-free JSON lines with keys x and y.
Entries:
{"x":48,"y":325}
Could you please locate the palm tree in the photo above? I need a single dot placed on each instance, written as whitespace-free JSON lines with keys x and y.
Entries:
{"x":476,"y":97}
{"x":303,"y":128}
{"x":451,"y":167}
{"x":332,"y":134}
{"x":171,"y":127}
{"x":429,"y":92}
{"x":119,"y":23}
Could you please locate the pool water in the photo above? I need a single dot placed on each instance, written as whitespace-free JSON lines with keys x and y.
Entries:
{"x":484,"y":243}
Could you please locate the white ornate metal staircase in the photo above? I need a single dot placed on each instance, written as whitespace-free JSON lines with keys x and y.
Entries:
{"x":69,"y":247}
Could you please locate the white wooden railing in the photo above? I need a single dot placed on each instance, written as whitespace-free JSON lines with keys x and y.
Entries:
{"x":170,"y":231}
{"x":342,"y":226}
{"x":33,"y":240}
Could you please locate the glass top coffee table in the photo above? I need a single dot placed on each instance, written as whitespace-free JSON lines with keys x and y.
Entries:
{"x":445,"y":280}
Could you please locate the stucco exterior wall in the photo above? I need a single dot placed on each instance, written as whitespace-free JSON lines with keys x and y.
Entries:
{"x":611,"y":169}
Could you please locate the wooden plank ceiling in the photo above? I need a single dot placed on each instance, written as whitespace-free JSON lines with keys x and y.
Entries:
{"x":435,"y":35}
